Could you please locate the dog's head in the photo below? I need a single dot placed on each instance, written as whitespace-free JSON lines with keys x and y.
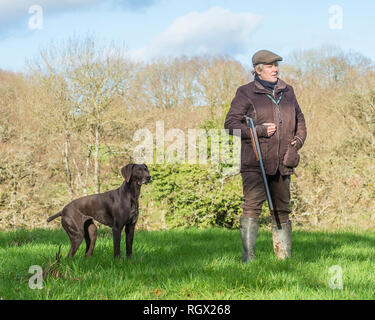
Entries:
{"x":136,"y":172}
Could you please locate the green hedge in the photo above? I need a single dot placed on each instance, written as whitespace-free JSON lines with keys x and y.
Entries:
{"x":197,"y":195}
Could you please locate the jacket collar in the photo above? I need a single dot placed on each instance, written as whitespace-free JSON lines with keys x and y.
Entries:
{"x":280,"y":86}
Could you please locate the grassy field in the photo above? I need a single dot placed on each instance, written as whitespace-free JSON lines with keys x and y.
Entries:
{"x":188,"y":264}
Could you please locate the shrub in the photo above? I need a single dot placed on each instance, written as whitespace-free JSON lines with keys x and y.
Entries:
{"x":196,"y":195}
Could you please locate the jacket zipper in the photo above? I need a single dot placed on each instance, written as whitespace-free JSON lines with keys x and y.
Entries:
{"x":276,"y":103}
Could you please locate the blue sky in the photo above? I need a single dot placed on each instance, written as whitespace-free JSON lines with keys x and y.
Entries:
{"x":152,"y":28}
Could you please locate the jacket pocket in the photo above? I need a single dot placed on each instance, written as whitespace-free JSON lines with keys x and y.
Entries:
{"x":247,"y":154}
{"x":291,"y":157}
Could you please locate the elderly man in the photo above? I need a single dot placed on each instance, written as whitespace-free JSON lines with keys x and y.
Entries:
{"x":281,"y":130}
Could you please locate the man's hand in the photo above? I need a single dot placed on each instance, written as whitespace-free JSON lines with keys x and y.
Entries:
{"x":297,"y":142}
{"x":271,"y":128}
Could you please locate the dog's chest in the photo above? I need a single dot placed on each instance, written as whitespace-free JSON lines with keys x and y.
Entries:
{"x":129,"y":212}
{"x":133,"y":217}
{"x":133,"y":209}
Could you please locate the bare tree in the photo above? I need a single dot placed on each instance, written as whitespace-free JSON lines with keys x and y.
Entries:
{"x":98,"y":76}
{"x":85,"y":81}
{"x":218,"y":79}
{"x":170,"y":83}
{"x":55,"y":104}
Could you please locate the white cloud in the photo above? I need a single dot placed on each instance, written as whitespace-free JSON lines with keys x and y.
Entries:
{"x":14,"y":15}
{"x":15,"y":12}
{"x":216,"y":31}
{"x":10,"y":9}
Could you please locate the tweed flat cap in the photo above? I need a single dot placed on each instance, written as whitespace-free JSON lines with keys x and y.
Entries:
{"x":265,"y":57}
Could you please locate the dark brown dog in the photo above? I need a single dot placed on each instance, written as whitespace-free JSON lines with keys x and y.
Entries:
{"x":116,"y":209}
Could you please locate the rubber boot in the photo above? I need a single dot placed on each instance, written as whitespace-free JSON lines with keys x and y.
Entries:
{"x":249,"y":230}
{"x":282,"y":240}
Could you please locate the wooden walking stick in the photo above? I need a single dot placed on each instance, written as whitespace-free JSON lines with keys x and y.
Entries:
{"x":258,"y":155}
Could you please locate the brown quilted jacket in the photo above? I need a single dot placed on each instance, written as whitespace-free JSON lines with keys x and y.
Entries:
{"x":251,"y":99}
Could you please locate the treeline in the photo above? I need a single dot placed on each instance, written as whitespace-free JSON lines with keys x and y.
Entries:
{"x":68,"y":123}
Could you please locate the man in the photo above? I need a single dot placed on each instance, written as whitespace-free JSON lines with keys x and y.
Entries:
{"x":281,"y":130}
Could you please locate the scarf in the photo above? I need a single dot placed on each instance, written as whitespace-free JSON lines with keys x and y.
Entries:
{"x":266,"y":84}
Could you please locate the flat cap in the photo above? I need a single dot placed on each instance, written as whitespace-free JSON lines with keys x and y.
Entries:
{"x":265,"y":57}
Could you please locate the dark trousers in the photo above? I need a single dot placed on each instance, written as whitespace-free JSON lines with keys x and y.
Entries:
{"x":254,"y":194}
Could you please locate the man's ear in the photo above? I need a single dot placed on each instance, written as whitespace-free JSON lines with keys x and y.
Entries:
{"x":127,"y":172}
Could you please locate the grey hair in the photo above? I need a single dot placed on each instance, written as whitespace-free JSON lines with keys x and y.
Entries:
{"x":258,"y":67}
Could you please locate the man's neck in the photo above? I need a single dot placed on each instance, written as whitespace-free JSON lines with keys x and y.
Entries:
{"x":266,"y":84}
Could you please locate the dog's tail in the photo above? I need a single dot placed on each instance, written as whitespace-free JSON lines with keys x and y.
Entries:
{"x":54,"y":217}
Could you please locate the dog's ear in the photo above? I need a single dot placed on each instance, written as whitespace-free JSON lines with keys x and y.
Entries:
{"x":127,"y":172}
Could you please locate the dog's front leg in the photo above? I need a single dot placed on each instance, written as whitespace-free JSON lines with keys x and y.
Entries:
{"x":116,"y":241}
{"x":129,"y":230}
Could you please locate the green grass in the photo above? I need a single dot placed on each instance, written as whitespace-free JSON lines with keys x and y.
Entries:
{"x":189,"y":264}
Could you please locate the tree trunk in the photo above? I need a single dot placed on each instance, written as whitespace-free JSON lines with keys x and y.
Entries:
{"x":79,"y":175}
{"x":96,"y":161}
{"x":87,"y":169}
{"x":68,"y":172}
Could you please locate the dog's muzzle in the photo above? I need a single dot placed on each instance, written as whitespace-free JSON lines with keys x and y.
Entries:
{"x":146,"y":180}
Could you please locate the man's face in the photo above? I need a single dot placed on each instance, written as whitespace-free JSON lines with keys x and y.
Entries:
{"x":269,"y":72}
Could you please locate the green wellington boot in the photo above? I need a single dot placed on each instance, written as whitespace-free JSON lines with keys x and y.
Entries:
{"x":249,"y":230}
{"x":282,"y":240}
